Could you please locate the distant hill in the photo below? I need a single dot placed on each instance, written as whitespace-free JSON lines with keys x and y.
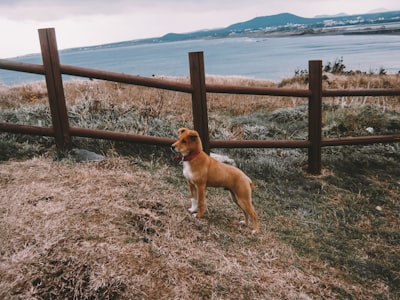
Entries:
{"x":287,"y":24}
{"x":270,"y":21}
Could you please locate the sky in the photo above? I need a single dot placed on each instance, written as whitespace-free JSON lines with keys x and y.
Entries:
{"x":92,"y":22}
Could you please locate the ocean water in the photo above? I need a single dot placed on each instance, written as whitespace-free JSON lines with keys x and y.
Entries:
{"x":262,"y":58}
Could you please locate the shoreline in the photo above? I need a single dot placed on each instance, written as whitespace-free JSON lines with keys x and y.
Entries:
{"x":382,"y":30}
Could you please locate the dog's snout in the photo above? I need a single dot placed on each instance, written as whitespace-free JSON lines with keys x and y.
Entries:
{"x":173,"y":147}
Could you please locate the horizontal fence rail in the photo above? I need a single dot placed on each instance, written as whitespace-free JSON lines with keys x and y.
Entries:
{"x":361,"y":140}
{"x":7,"y":64}
{"x":226,"y":89}
{"x":62,"y":132}
{"x":125,"y":78}
{"x":25,"y":129}
{"x":121,"y":136}
{"x":360,"y":92}
{"x":260,"y":144}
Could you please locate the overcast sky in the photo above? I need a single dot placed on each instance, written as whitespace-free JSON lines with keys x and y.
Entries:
{"x":93,"y":22}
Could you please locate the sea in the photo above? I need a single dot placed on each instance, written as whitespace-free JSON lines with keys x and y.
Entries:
{"x":269,"y":58}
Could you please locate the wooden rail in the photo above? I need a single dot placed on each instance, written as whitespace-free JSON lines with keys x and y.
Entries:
{"x":62,"y":132}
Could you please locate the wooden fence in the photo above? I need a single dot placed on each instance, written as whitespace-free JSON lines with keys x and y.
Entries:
{"x":62,"y":132}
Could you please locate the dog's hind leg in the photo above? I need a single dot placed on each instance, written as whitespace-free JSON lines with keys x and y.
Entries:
{"x":244,"y":202}
{"x":253,"y":216}
{"x":234,"y":199}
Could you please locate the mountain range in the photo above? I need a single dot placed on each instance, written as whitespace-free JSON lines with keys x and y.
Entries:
{"x":288,"y":24}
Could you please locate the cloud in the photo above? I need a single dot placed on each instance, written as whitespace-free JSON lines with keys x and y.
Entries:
{"x":48,"y":10}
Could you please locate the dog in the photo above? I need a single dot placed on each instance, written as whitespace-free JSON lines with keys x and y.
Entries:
{"x":201,"y":171}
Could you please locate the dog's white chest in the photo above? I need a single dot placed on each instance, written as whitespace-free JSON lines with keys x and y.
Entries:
{"x":187,"y":171}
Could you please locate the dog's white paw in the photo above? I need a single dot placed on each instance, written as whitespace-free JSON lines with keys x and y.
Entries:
{"x":194,"y":215}
{"x":193,"y":209}
{"x":242,"y":222}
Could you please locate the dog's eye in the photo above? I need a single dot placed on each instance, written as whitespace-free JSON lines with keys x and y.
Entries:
{"x":183,"y":141}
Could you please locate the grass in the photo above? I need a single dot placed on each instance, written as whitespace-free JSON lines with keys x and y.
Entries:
{"x":118,"y":228}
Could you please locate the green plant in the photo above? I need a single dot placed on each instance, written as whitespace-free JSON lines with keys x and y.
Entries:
{"x":337,"y":67}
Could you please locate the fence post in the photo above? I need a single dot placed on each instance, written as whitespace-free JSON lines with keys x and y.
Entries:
{"x":315,"y":116}
{"x":55,"y":90}
{"x":199,"y":98}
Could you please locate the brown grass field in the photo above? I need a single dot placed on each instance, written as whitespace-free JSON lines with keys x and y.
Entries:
{"x":119,"y":229}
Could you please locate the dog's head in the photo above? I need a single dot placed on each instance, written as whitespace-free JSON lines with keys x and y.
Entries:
{"x":188,"y":142}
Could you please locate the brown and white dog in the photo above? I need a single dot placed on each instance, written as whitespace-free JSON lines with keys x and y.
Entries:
{"x":201,"y":170}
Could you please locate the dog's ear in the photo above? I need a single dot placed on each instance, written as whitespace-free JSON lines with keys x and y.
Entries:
{"x":193,"y":135}
{"x":182,"y":130}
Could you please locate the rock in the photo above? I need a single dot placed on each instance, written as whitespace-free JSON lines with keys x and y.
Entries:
{"x":81,"y":155}
{"x":370,"y":129}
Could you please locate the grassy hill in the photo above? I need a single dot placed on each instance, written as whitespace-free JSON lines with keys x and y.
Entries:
{"x":119,"y":229}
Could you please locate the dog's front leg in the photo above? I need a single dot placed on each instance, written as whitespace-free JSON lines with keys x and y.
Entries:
{"x":194,"y":207}
{"x":201,"y":199}
{"x":193,"y":198}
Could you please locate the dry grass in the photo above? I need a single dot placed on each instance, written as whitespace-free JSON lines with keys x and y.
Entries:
{"x":107,"y":230}
{"x":118,"y":229}
{"x":154,"y":101}
{"x":103,"y":230}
